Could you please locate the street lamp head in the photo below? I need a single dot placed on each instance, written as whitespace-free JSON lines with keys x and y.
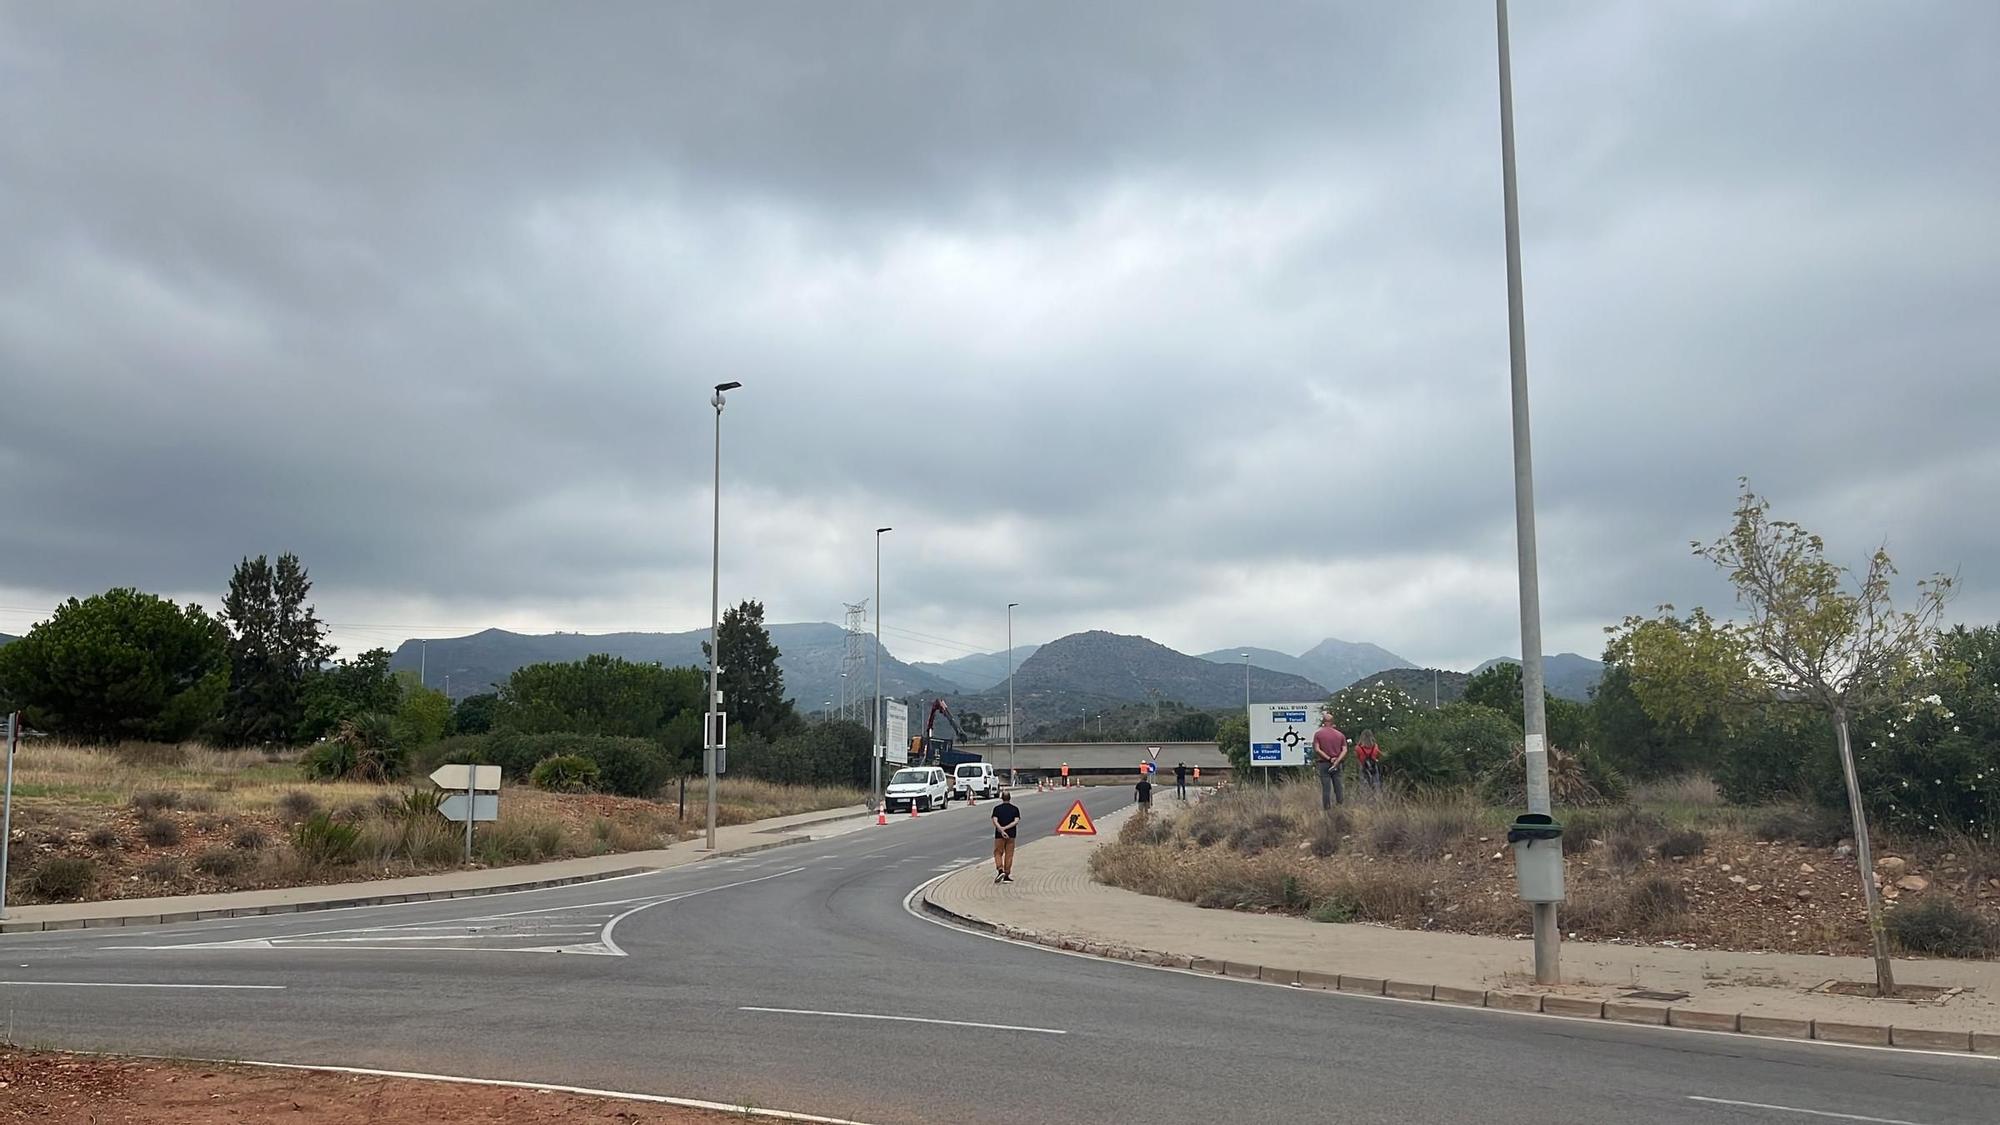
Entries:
{"x":717,"y":400}
{"x":880,"y":530}
{"x":720,"y":387}
{"x":1011,"y":605}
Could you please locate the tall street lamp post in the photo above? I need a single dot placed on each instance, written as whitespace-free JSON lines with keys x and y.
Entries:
{"x":1548,"y":938}
{"x":711,"y":728}
{"x":1010,"y":691}
{"x":875,"y":717}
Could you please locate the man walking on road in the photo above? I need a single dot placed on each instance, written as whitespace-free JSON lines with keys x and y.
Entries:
{"x":1006,"y":822}
{"x":1180,"y":781}
{"x":1329,"y":751}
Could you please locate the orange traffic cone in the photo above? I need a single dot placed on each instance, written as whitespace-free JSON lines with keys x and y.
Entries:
{"x":913,"y":808}
{"x":882,"y":813}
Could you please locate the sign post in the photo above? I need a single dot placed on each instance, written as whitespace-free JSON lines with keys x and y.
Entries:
{"x":1280,"y":733}
{"x":7,"y":808}
{"x":896,"y":747}
{"x":479,"y":801}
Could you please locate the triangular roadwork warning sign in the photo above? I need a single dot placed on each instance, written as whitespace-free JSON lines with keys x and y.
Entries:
{"x":1076,"y":822}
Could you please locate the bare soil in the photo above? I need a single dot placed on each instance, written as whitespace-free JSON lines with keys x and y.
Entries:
{"x":45,"y":1086}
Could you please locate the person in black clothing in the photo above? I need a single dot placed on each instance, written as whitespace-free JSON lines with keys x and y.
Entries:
{"x":1180,"y":781}
{"x":1006,"y":822}
{"x":1145,"y":790}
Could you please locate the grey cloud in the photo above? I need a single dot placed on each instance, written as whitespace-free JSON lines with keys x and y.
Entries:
{"x":431,"y":294}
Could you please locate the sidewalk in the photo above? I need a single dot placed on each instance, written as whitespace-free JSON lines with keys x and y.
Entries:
{"x":735,"y":839}
{"x":1053,"y":901}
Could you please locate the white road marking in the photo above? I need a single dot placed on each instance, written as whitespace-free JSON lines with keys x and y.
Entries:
{"x":542,"y":925}
{"x":1807,"y":1112}
{"x":904,"y":1019}
{"x":621,"y":1095}
{"x":118,"y":984}
{"x":604,"y":938}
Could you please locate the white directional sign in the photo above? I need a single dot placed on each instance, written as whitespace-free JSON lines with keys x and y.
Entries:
{"x":1281,"y":733}
{"x":485,"y":806}
{"x":462,"y":778}
{"x":898,"y":747}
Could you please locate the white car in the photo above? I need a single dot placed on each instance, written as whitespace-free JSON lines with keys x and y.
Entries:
{"x":975,"y":779}
{"x":920,"y":787}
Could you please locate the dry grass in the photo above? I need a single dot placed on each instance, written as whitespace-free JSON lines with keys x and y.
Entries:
{"x":173,"y":819}
{"x":1635,"y":873}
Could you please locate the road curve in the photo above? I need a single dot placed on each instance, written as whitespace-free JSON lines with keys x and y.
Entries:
{"x":795,"y":979}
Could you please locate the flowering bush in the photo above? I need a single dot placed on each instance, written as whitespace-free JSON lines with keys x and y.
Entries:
{"x":1380,"y":707}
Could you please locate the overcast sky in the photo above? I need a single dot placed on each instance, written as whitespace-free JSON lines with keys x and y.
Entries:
{"x":1178,"y":319}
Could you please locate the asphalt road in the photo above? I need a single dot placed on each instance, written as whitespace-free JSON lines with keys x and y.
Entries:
{"x":763,"y":981}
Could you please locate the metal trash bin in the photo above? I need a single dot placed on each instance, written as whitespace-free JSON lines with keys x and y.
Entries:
{"x":1538,"y":857}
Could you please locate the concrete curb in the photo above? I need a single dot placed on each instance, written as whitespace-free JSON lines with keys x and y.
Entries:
{"x":1511,"y":1000}
{"x":108,"y":921}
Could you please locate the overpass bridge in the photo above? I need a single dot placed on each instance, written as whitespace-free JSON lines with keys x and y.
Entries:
{"x":1100,"y":758}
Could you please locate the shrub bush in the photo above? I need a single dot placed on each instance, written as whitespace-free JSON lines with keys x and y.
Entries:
{"x":363,"y":748}
{"x":1333,"y":908}
{"x":1261,"y":833}
{"x":1939,"y":926}
{"x":1654,"y":903}
{"x":1147,"y":829}
{"x":160,"y":831}
{"x":103,"y":836}
{"x":61,"y":878}
{"x":297,"y":805}
{"x":198,"y":802}
{"x":162,"y":869}
{"x":421,"y":804}
{"x":221,"y":862}
{"x":629,"y":767}
{"x":249,"y":838}
{"x":155,"y":800}
{"x":565,"y":773}
{"x":1581,"y":829}
{"x":1324,"y":838}
{"x":322,"y":841}
{"x":1682,"y":843}
{"x":519,"y":841}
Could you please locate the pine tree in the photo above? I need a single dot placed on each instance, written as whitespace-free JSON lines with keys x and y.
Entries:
{"x":277,"y":643}
{"x":753,"y":689}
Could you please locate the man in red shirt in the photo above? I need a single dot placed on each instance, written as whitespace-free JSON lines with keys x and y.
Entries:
{"x":1329,"y":752}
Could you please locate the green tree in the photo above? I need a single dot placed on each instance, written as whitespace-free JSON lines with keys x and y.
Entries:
{"x":1499,"y":687}
{"x":1809,"y":640}
{"x":277,"y":644}
{"x":1641,"y":745}
{"x":599,"y":695}
{"x":347,"y":688}
{"x":753,"y":689}
{"x":1232,"y":737}
{"x":122,"y":664}
{"x":422,"y":718}
{"x":1456,"y":744}
{"x":475,"y":714}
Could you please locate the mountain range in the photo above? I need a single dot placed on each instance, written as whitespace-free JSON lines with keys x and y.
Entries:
{"x":809,"y":654}
{"x":1566,"y":675}
{"x":1335,"y":663}
{"x":1097,"y":670}
{"x":1083,"y":672}
{"x":979,"y":671}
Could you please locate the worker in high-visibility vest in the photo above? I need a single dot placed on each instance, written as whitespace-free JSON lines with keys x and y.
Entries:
{"x":1065,"y":766}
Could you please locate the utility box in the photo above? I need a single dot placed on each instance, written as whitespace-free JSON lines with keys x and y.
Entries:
{"x":1538,"y":857}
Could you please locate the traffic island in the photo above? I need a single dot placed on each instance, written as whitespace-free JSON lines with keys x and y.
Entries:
{"x":1053,"y":902}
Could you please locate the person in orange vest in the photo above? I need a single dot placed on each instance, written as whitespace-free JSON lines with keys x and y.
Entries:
{"x":1065,"y":766}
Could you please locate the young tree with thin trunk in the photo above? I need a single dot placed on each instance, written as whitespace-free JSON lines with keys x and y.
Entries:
{"x":1808,"y":640}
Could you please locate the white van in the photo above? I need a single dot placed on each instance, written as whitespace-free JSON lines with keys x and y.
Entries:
{"x":920,"y":787}
{"x":975,"y":779}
